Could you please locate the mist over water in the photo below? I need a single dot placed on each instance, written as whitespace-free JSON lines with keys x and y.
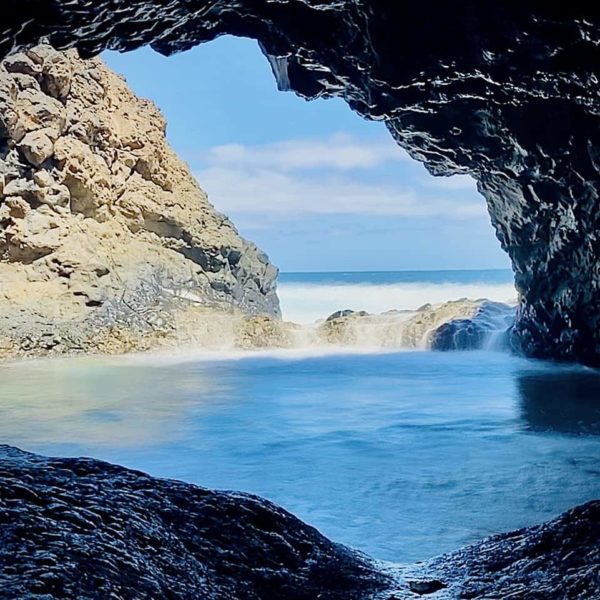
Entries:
{"x":307,"y":297}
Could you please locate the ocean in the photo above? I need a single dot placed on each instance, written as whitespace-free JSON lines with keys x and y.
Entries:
{"x":402,"y":454}
{"x":306,"y":297}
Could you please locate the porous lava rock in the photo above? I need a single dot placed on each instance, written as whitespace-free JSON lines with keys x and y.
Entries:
{"x":106,"y":239}
{"x":82,"y":528}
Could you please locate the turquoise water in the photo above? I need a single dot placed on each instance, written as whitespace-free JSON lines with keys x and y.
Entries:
{"x":404,"y":455}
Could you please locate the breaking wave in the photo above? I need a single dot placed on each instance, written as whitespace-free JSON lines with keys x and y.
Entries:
{"x":308,"y":302}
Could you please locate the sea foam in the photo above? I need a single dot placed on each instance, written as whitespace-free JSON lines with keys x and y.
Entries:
{"x":307,"y":302}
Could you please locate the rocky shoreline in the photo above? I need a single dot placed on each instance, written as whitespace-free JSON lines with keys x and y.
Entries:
{"x":78,"y":527}
{"x":456,"y":325}
{"x":109,"y":246}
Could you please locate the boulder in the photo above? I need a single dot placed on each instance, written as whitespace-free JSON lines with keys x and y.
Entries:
{"x":36,"y":147}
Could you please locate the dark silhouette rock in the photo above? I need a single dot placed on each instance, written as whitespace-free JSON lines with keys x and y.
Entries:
{"x":426,"y":586}
{"x":555,"y":560}
{"x":490,"y":326}
{"x":78,"y":528}
{"x":81,"y":528}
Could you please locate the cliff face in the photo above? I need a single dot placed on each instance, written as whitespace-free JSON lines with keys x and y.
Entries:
{"x":102,"y":227}
{"x":507,"y":92}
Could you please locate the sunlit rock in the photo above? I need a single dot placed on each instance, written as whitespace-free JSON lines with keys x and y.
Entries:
{"x":104,"y":234}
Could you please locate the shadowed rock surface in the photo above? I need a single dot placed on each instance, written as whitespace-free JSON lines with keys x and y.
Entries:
{"x":488,"y":327}
{"x":506,"y":92}
{"x":82,"y":528}
{"x":557,"y":559}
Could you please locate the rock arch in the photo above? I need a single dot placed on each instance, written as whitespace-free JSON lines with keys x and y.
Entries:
{"x":507,"y":92}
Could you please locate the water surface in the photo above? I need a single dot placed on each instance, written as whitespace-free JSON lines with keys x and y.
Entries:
{"x":404,"y":455}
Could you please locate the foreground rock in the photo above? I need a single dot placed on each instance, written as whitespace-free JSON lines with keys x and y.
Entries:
{"x":555,"y":560}
{"x":105,"y":237}
{"x":81,"y":528}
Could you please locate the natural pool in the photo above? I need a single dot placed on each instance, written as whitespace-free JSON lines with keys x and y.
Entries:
{"x":404,"y":455}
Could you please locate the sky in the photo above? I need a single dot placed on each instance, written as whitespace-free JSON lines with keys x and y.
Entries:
{"x":312,"y":183}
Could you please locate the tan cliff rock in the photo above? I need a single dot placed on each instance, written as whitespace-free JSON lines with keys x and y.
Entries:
{"x":104,"y":233}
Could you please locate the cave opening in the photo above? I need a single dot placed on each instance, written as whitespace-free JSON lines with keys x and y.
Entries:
{"x":401,"y":454}
{"x":318,"y":188}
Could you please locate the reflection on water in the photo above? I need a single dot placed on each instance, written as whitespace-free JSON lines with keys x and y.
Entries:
{"x":96,"y":401}
{"x":566,"y":402}
{"x":403,"y":455}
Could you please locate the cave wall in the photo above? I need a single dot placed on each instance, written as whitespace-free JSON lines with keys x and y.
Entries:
{"x":506,"y":92}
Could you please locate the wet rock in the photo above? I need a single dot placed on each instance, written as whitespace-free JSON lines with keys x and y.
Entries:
{"x":426,"y":327}
{"x":489,"y":326}
{"x":426,"y":586}
{"x":555,"y":560}
{"x":77,"y":528}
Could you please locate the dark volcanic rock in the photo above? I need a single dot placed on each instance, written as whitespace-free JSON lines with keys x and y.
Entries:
{"x":558,"y":559}
{"x":81,"y":528}
{"x":426,"y":586}
{"x":504,"y":91}
{"x":489,"y":326}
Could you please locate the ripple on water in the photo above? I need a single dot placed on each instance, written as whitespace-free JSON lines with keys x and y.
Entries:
{"x":405,"y":455}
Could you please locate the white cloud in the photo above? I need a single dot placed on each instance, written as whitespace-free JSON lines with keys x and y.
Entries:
{"x":339,"y":151}
{"x":239,"y":191}
{"x":456,"y":182}
{"x":279,"y":181}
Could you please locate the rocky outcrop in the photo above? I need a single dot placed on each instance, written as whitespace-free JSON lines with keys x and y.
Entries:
{"x":555,"y":560}
{"x":490,"y":326}
{"x":104,"y":234}
{"x":80,"y":528}
{"x":505,"y":93}
{"x":455,"y":325}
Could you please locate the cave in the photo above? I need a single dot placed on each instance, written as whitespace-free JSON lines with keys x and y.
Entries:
{"x":506,"y":94}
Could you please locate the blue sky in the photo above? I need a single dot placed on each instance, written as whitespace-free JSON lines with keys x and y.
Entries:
{"x":313,"y":184}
